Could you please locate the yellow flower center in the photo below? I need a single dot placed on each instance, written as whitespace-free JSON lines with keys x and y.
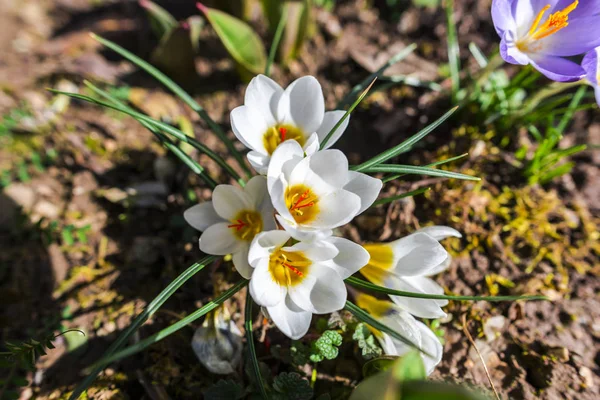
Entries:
{"x":555,"y":22}
{"x":377,"y":308}
{"x":246,"y":224}
{"x":275,"y":135}
{"x":381,"y":261}
{"x":288,"y":268}
{"x":302,"y":203}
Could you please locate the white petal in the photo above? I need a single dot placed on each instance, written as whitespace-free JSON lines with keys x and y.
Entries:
{"x":312,"y":144}
{"x":319,"y":250}
{"x":430,"y":344}
{"x":201,"y":216}
{"x":336,"y":209}
{"x":277,"y":193}
{"x":329,"y":120}
{"x":284,"y":159}
{"x":417,"y":254}
{"x":262,"y":96}
{"x":442,"y":267}
{"x":256,"y":189}
{"x":240,"y":262}
{"x":219,"y":240}
{"x":524,"y":13}
{"x":321,"y":291}
{"x":290,"y":319}
{"x":364,"y":186}
{"x":328,"y":166}
{"x":406,"y":326}
{"x":351,"y":257}
{"x":387,"y":344}
{"x":263,"y":288}
{"x":440,"y":232}
{"x":422,"y":308}
{"x":259,"y":161}
{"x":249,"y":128}
{"x":264,"y":243}
{"x":229,"y":200}
{"x":302,"y":104}
{"x":303,"y":233}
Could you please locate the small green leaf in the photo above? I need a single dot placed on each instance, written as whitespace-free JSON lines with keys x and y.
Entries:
{"x":240,"y":40}
{"x":410,"y":367}
{"x":161,"y":21}
{"x":378,"y":365}
{"x":326,"y":347}
{"x":366,"y":342}
{"x":291,"y":386}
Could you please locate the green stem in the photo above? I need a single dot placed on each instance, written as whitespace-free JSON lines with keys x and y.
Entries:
{"x":276,"y":40}
{"x":251,"y":348}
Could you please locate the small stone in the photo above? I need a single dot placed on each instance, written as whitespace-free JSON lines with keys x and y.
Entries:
{"x":45,"y":209}
{"x":493,"y":326}
{"x":22,"y":195}
{"x":588,"y":376}
{"x":559,"y":353}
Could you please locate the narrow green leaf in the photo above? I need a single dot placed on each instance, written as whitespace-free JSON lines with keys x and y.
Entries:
{"x":564,"y":121}
{"x":411,"y":169}
{"x":406,"y":145}
{"x":164,"y":127}
{"x":365,"y":317}
{"x":276,"y":41}
{"x":349,"y":98}
{"x":346,"y":114}
{"x":157,"y":337}
{"x":251,"y":349}
{"x":240,"y":40}
{"x":433,"y":164}
{"x":296,"y":29}
{"x":182,"y":94}
{"x":400,"y":196}
{"x":360,"y":283}
{"x":453,"y":49}
{"x":179,"y":153}
{"x":140,"y":319}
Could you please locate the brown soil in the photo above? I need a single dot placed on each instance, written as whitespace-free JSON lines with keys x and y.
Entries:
{"x":130,"y":250}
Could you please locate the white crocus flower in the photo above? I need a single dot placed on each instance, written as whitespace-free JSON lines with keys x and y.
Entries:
{"x":294,"y":281}
{"x":231,"y":220}
{"x":271,"y":115}
{"x":407,"y":263}
{"x":316,"y":193}
{"x":405,"y":325}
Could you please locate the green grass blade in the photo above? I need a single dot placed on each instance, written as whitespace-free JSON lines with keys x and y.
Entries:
{"x":251,"y":348}
{"x":400,"y":196}
{"x":406,"y":145}
{"x":276,"y":41}
{"x":158,"y":336}
{"x":410,"y":169}
{"x":164,"y":127}
{"x":186,"y":159}
{"x":433,"y":164}
{"x":408,"y":80}
{"x":453,"y":49}
{"x":346,"y":114}
{"x":182,"y":94}
{"x":365,"y":317}
{"x":140,"y":319}
{"x":566,"y":118}
{"x":349,"y":98}
{"x":360,"y":283}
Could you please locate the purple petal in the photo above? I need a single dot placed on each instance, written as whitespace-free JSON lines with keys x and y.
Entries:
{"x":556,"y":68}
{"x":580,"y":36}
{"x":502,"y":16}
{"x":510,"y":53}
{"x":590,"y":66}
{"x":585,"y":8}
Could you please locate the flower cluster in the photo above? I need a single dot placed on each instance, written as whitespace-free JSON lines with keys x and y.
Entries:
{"x":545,"y":33}
{"x":279,"y":227}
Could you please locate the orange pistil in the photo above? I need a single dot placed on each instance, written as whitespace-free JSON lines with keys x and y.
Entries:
{"x":240,"y":224}
{"x":553,"y":24}
{"x":299,"y":203}
{"x":294,"y":269}
{"x":282,"y":131}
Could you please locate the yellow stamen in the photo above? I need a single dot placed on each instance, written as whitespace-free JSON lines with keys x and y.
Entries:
{"x":247,"y":223}
{"x":288,"y":268}
{"x":302,"y":203}
{"x":275,"y":135}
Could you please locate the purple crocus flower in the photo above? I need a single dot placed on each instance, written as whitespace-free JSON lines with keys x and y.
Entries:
{"x":591,"y":66}
{"x":543,"y":32}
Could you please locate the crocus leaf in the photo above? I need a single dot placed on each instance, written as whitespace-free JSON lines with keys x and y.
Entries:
{"x":161,"y":21}
{"x":240,"y":40}
{"x":296,"y":29}
{"x":175,"y":55}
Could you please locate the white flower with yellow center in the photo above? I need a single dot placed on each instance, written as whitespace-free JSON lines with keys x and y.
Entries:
{"x":407,"y":326}
{"x":271,"y":115}
{"x":232,"y":219}
{"x":407,"y":263}
{"x":316,"y":193}
{"x":294,"y":281}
